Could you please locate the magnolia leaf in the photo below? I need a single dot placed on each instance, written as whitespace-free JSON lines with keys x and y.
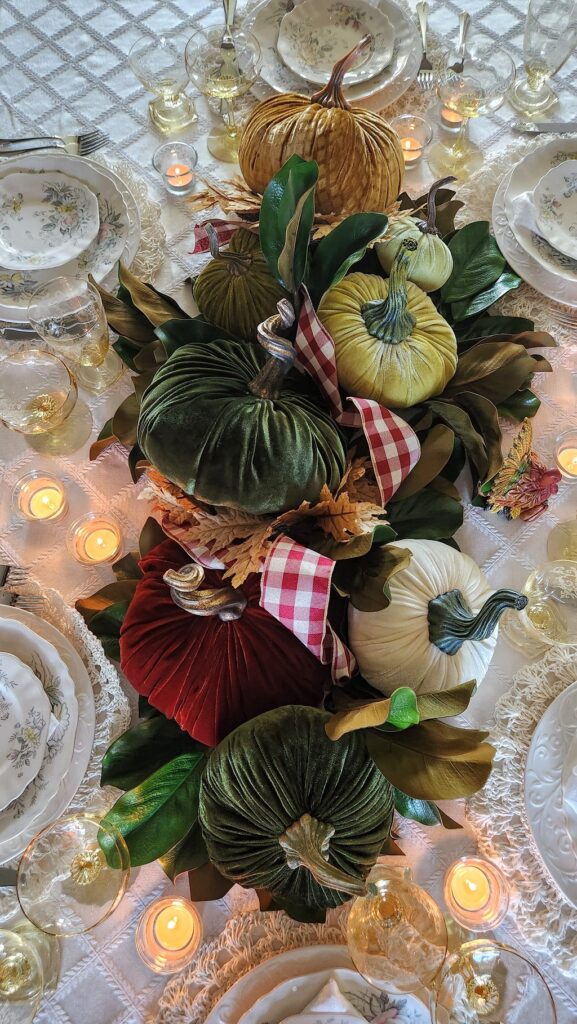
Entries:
{"x":127,"y":568}
{"x":353,"y":548}
{"x":364,"y":580}
{"x":125,"y":420}
{"x":498,"y":372}
{"x":391,"y":849}
{"x":345,"y":245}
{"x":156,"y":307}
{"x":106,"y":626}
{"x":143,"y":749}
{"x":100,"y":446}
{"x":445,"y":703}
{"x":155,"y":815}
{"x":519,"y":406}
{"x":146,"y":710}
{"x":150,"y":535}
{"x":285,"y":222}
{"x":207,"y":883}
{"x":486,"y":418}
{"x":444,"y":486}
{"x":424,"y":811}
{"x":471,"y":306}
{"x":428,"y":514}
{"x":136,"y":463}
{"x":112,"y":593}
{"x":398,"y":710}
{"x":141,"y":383}
{"x":175,"y":333}
{"x":436,"y":450}
{"x":461,"y":423}
{"x":190,"y":853}
{"x":292,"y":261}
{"x":469,"y":332}
{"x":123,"y":318}
{"x":150,"y":358}
{"x":128,"y":351}
{"x":477,"y":262}
{"x":433,"y":760}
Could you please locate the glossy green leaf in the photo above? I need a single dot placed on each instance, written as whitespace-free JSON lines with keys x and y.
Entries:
{"x":521,"y":404}
{"x":507,"y":282}
{"x":486,"y":419}
{"x":155,"y":815}
{"x":364,"y":580}
{"x":190,"y":853}
{"x":120,"y":590}
{"x":144,"y":748}
{"x":106,"y":626}
{"x":286,"y":218}
{"x":461,"y":423}
{"x":436,"y":450}
{"x":399,"y":710}
{"x":175,"y":333}
{"x":127,"y":350}
{"x":424,"y":811}
{"x":146,"y":710}
{"x":428,"y":514}
{"x":337,"y":550}
{"x":156,"y":307}
{"x":446,"y":703}
{"x":207,"y":883}
{"x":344,"y":246}
{"x":487,"y":326}
{"x":125,"y":420}
{"x":123,"y":318}
{"x":404,"y":709}
{"x":150,"y":535}
{"x":127,"y":568}
{"x":494,"y":370}
{"x":477,"y":262}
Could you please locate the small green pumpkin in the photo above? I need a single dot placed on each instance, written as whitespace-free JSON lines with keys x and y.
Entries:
{"x":236,"y":290}
{"x":431,"y":263}
{"x":235,"y":426}
{"x":285,"y":809}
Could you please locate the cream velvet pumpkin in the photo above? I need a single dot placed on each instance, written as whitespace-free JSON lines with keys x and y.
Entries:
{"x":440,"y":628}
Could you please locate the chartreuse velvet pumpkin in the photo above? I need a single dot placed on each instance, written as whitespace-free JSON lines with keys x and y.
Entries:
{"x":284,"y":808}
{"x":391,"y":344}
{"x":431,"y":263}
{"x":236,"y":290}
{"x":235,"y":427}
{"x":440,"y":628}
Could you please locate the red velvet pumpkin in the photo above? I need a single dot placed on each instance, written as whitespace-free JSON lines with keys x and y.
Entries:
{"x":208,"y":674}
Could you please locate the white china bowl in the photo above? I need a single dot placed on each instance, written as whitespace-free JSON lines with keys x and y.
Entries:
{"x":555,"y":202}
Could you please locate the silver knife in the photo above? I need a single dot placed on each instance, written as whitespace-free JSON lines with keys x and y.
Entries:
{"x":7,"y":877}
{"x":537,"y":127}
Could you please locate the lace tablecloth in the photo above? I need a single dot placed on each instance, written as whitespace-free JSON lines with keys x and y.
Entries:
{"x":63,"y":68}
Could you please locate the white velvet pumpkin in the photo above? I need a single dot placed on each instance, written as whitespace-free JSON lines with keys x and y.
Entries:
{"x":393,"y":647}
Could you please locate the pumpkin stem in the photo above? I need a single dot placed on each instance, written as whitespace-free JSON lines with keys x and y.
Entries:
{"x":451,"y":621}
{"x":331,"y":94}
{"x":226,"y":602}
{"x":306,"y":844}
{"x":268,"y":382}
{"x":428,"y":226}
{"x":237,"y":263}
{"x":389,"y":319}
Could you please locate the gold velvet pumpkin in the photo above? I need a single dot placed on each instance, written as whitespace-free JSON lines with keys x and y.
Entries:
{"x":236,"y":290}
{"x":391,"y":344}
{"x":359,"y":155}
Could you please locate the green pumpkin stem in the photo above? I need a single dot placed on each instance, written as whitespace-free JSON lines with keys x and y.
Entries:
{"x":389,"y":319}
{"x":237,"y":263}
{"x":331,"y":94}
{"x":306,"y":845}
{"x":226,"y":602}
{"x":451,"y":621}
{"x":428,"y":226}
{"x":268,"y":382}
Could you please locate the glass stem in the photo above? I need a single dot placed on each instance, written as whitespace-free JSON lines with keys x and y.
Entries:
{"x":230,"y":118}
{"x":461,"y":143}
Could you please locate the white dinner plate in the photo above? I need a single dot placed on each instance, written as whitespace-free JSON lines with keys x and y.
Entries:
{"x":82,"y":701}
{"x":533,"y":272}
{"x":544,"y":799}
{"x":118,"y":235}
{"x":376,"y":93}
{"x":24,"y":722}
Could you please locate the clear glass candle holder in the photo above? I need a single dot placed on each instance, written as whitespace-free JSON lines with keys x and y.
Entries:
{"x":566,"y":454}
{"x":476,"y":893}
{"x":175,"y":162}
{"x":414,"y":135}
{"x":39,"y":497}
{"x":168,"y":935}
{"x":95,"y":539}
{"x":449,"y":120}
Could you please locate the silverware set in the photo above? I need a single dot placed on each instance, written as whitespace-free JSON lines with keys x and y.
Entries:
{"x":77,"y":145}
{"x":17,"y":576}
{"x":426,"y":77}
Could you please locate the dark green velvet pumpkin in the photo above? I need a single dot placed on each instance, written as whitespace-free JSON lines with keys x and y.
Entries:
{"x":281,"y":770}
{"x":264,"y":451}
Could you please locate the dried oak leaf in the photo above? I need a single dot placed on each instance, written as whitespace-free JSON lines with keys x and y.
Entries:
{"x":359,"y":481}
{"x":160,"y":490}
{"x":247,"y":556}
{"x":338,"y":517}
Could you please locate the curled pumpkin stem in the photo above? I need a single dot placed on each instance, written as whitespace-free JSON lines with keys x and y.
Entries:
{"x":237,"y":262}
{"x":281,"y":350}
{"x":428,"y":226}
{"x":451,"y":621}
{"x":306,"y":845}
{"x":226,"y":602}
{"x":331,"y":94}
{"x":389,"y":319}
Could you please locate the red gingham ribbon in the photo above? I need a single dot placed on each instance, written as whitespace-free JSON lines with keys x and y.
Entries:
{"x":178,"y":532}
{"x":225,"y":229}
{"x":295,"y":588}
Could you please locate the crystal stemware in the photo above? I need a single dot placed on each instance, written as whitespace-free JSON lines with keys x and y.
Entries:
{"x":550,"y":37}
{"x":72,"y":875}
{"x":492,"y":983}
{"x":562,"y":541}
{"x":479,"y":89}
{"x":68,"y":314}
{"x":223,"y":67}
{"x":550,"y":617}
{"x":21,"y":978}
{"x":159,"y":65}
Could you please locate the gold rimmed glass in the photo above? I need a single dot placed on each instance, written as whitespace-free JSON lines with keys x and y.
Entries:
{"x":158,"y":63}
{"x":224,"y":67}
{"x":21,"y":978}
{"x":476,"y":91}
{"x":550,"y":38}
{"x":68,"y":314}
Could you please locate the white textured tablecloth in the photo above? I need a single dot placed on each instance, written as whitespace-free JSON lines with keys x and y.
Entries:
{"x":63,"y":67}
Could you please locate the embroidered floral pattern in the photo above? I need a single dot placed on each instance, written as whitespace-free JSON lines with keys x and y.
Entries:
{"x":26,"y":741}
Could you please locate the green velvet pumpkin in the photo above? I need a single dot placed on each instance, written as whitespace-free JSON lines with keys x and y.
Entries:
{"x":278,"y":771}
{"x":263,"y":450}
{"x":236,"y":290}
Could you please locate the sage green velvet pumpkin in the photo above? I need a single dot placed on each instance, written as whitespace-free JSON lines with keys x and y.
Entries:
{"x":431,"y":262}
{"x":281,"y":772}
{"x":264,"y":451}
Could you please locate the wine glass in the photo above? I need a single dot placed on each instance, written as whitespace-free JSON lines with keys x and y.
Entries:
{"x":68,"y":314}
{"x":562,"y":541}
{"x":72,"y":875}
{"x":477,"y":90}
{"x":396,"y":934}
{"x":21,"y":978}
{"x":550,"y":37}
{"x":489,"y":982}
{"x":224,"y":67}
{"x":550,"y":616}
{"x":159,"y":65}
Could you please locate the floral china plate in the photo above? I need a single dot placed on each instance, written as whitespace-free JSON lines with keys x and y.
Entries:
{"x":24,"y":723}
{"x":555,"y":202}
{"x":45,"y":219}
{"x":317,"y":33}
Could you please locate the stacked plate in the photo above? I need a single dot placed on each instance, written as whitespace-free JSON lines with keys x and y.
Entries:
{"x":535,"y":220}
{"x":47,"y":724}
{"x":301,"y":42}
{"x":60,"y":214}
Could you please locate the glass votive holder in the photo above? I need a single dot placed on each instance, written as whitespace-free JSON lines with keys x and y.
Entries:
{"x":39,"y":497}
{"x":95,"y":539}
{"x":168,"y":935}
{"x":476,"y":893}
{"x":450,"y":120}
{"x":414,"y":135}
{"x":566,"y":454}
{"x":175,"y":162}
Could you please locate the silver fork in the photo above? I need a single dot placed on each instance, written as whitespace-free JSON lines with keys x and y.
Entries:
{"x":464,"y":24}
{"x":15,"y":575}
{"x":28,"y":602}
{"x":425,"y":77}
{"x":78,"y":145}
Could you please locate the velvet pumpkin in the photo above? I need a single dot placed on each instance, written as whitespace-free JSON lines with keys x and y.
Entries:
{"x":210,"y":674}
{"x":235,"y":427}
{"x":285,"y":809}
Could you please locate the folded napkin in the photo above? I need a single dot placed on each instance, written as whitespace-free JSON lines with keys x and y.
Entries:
{"x":524,"y":216}
{"x":328,"y":1004}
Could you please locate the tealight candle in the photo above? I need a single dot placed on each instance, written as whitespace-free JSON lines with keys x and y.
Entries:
{"x":450,"y":119}
{"x":39,"y":497}
{"x":566,"y":454}
{"x":412,"y":150}
{"x":95,"y":539}
{"x":476,"y":893}
{"x":179,"y":175}
{"x":175,"y":162}
{"x":168,"y":935}
{"x":414,"y":136}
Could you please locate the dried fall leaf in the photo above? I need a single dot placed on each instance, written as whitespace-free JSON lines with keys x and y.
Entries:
{"x":359,"y":481}
{"x":338,"y":517}
{"x":219,"y":531}
{"x":248,"y":556}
